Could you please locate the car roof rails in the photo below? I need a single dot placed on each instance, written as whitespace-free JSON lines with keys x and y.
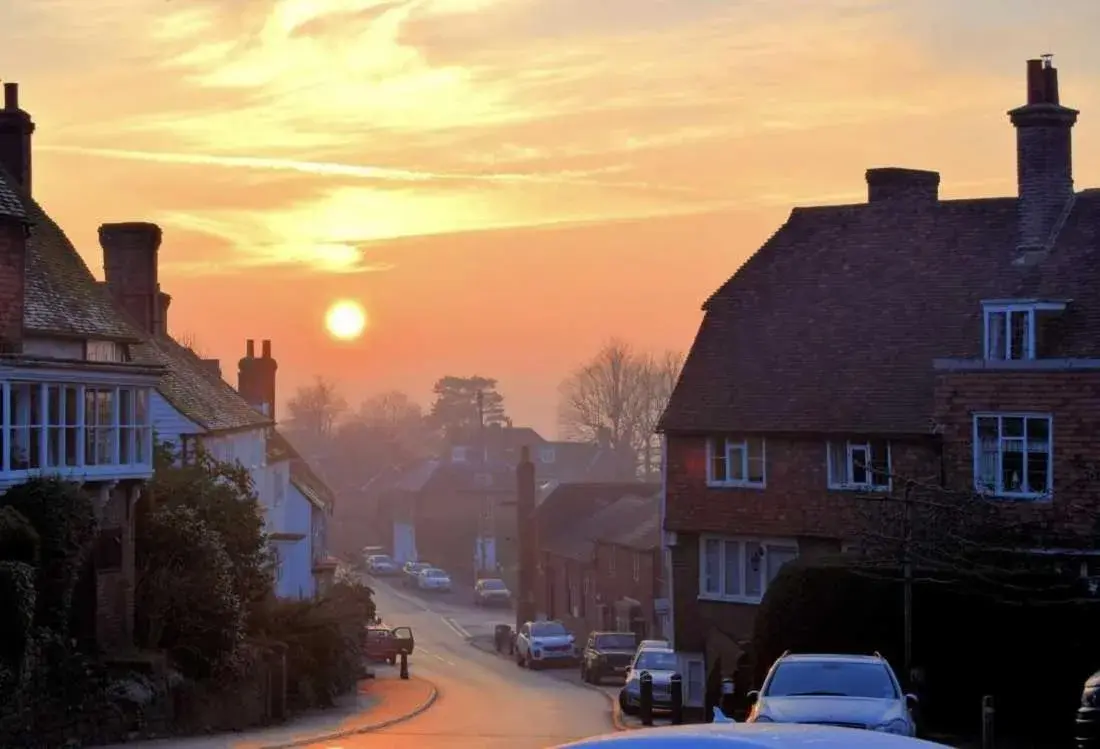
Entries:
{"x":786,"y":653}
{"x":878,"y":655}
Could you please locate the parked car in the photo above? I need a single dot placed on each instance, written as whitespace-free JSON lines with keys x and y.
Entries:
{"x":607,"y":654}
{"x":545,"y":643}
{"x":661,"y":664}
{"x":660,"y":644}
{"x":1088,"y":714}
{"x":382,"y":565}
{"x":854,"y":691}
{"x":434,"y":579}
{"x":750,"y":736}
{"x":411,"y":572}
{"x":381,"y":643}
{"x":491,"y":592}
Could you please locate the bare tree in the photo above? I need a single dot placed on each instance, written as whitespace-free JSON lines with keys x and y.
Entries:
{"x":315,"y":409}
{"x":189,"y":340}
{"x":619,"y":394}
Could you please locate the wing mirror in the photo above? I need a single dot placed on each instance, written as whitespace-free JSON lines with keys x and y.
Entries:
{"x":753,"y":696}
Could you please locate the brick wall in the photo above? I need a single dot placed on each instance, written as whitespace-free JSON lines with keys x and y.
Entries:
{"x":796,"y":500}
{"x":13,"y":260}
{"x":1072,"y":398}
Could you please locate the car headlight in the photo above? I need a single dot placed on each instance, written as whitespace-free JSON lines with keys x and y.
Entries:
{"x":898,"y":726}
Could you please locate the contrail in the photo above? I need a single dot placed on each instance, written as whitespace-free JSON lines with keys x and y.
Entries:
{"x":326,"y":168}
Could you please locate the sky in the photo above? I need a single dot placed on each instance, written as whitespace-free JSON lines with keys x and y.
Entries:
{"x":504,"y":185}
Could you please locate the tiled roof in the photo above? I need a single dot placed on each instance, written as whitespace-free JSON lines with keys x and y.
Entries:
{"x":568,"y":507}
{"x":302,"y":475}
{"x":62,"y":296}
{"x":623,"y":516}
{"x":10,"y":205}
{"x":644,"y":534}
{"x":833,"y":325}
{"x":193,"y":391}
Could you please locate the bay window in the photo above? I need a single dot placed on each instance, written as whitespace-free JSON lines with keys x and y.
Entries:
{"x":740,"y":569}
{"x":1013,"y":455}
{"x":64,"y":428}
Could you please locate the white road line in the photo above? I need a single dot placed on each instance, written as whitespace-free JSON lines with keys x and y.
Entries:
{"x":456,"y":627}
{"x":433,"y":655}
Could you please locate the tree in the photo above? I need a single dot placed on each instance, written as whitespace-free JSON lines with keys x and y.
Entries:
{"x":315,"y":410}
{"x":618,"y":396}
{"x":189,"y":340}
{"x":454,"y":412}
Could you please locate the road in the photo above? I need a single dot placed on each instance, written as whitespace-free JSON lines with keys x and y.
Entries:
{"x":485,"y":701}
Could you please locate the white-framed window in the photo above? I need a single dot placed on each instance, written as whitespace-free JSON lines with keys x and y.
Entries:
{"x":1014,"y":454}
{"x":740,"y":569}
{"x":105,"y":351}
{"x":637,"y":566}
{"x":736,"y":462}
{"x":1012,"y":328}
{"x":858,"y":464}
{"x":63,"y":429}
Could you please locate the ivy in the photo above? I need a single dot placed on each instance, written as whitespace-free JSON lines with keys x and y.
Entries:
{"x":64,"y":518}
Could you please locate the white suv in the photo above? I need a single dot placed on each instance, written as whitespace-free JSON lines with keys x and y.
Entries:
{"x":855,"y":691}
{"x":545,"y":643}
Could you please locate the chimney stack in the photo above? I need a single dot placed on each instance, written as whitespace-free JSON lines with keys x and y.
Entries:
{"x":1044,"y":158}
{"x":130,"y":253}
{"x":214,"y":366}
{"x":256,"y":378}
{"x":16,"y":128}
{"x":896,"y":184}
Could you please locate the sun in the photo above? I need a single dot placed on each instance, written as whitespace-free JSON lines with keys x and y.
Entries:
{"x":345,"y":320}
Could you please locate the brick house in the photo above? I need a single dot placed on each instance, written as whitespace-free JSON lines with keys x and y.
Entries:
{"x":74,"y":393}
{"x":907,"y":336}
{"x":598,"y":556}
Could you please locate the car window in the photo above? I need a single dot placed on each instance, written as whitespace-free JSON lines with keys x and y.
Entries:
{"x":831,"y":678}
{"x":492,"y":584}
{"x":617,"y":641}
{"x":548,"y":629}
{"x":434,"y":573}
{"x":656,"y":660}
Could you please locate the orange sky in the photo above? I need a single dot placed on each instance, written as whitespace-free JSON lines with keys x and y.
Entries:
{"x":503,"y":184}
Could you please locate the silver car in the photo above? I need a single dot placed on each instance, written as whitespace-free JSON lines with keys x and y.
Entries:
{"x":852,"y":691}
{"x":661,"y":664}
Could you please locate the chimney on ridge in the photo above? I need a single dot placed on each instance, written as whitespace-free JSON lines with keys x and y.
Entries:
{"x":256,"y":378}
{"x":214,"y":366}
{"x":16,"y":129}
{"x":130,"y":252}
{"x":894,"y":183}
{"x":1044,"y":158}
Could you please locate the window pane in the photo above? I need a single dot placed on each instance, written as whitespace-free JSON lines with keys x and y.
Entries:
{"x":754,"y":568}
{"x":712,"y":553}
{"x":838,"y":463}
{"x":1012,"y":465}
{"x":90,"y":411}
{"x":777,"y":557}
{"x":1038,"y":472}
{"x":731,"y":581}
{"x":735,"y":461}
{"x":125,"y":406}
{"x":880,"y":463}
{"x":1012,"y":426}
{"x":1038,"y":435}
{"x":718,"y":460}
{"x":1019,"y":323}
{"x":141,"y":407}
{"x":860,"y":468}
{"x":995,"y":332}
{"x":53,"y":404}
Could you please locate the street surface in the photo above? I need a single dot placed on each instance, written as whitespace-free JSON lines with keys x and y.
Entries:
{"x":485,"y":701}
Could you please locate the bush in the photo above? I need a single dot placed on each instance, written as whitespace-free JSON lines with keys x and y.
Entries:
{"x":186,"y":602}
{"x":64,"y":518}
{"x":17,"y":599}
{"x":323,"y":639}
{"x":19,"y":541}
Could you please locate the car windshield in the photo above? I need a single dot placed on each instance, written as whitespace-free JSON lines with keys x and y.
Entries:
{"x":656,"y":660}
{"x":831,"y":678}
{"x":418,"y":565}
{"x":548,"y":629}
{"x":620,"y":642}
{"x":435,"y":573}
{"x":493,"y":585}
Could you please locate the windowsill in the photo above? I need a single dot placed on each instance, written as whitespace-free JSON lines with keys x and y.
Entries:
{"x":718,"y":598}
{"x":858,"y":488}
{"x":1015,"y":496}
{"x":737,"y":485}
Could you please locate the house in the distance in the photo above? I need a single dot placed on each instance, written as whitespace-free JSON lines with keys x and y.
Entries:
{"x":75,"y":396}
{"x":599,"y":564}
{"x":905,"y":336}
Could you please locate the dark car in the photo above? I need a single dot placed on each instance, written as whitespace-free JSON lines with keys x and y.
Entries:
{"x":607,"y":654}
{"x":1088,"y":714}
{"x":384,"y":644}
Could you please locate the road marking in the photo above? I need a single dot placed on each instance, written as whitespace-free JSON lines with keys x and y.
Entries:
{"x":457,"y":628}
{"x":437,"y":657}
{"x":409,"y":599}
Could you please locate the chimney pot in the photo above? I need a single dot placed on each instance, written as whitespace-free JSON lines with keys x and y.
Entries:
{"x":11,"y":96}
{"x":266,"y":349}
{"x":250,"y":349}
{"x":130,"y":266}
{"x":899,"y":184}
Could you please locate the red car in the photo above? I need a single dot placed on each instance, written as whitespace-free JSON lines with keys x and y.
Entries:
{"x":385,"y":644}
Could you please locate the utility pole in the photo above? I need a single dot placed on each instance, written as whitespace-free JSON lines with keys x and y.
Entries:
{"x":483,"y":530}
{"x":528,"y":537}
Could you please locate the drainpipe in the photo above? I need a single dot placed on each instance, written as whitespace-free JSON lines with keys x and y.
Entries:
{"x":666,"y":552}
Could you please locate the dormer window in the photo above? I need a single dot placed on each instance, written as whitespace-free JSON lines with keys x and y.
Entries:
{"x":1013,"y":328}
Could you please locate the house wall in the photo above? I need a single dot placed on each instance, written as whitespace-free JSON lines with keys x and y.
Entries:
{"x":296,"y":574}
{"x":168,"y":423}
{"x":446,"y":528}
{"x":1071,"y":398}
{"x":615,"y":569}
